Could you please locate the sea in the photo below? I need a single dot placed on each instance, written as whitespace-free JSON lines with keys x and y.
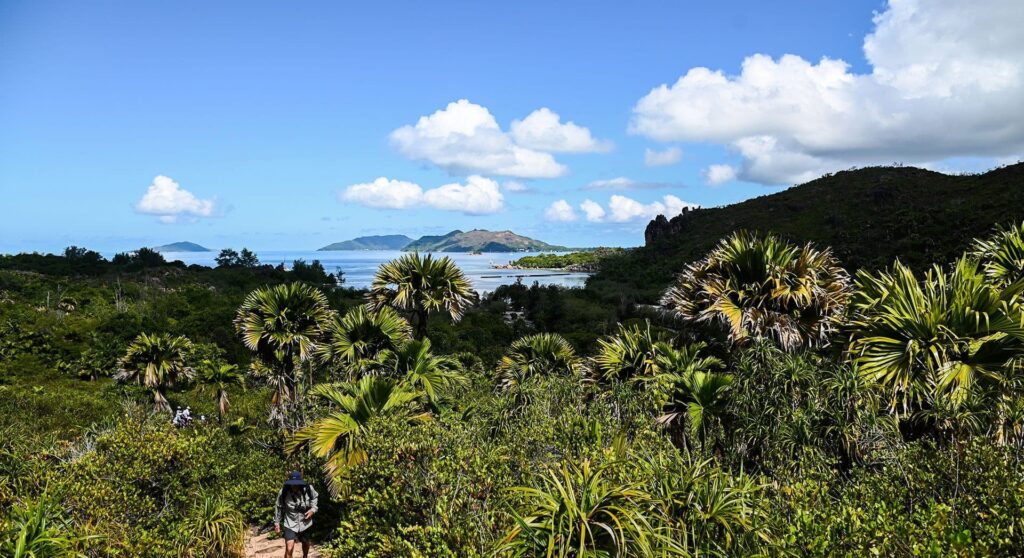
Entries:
{"x":359,"y":266}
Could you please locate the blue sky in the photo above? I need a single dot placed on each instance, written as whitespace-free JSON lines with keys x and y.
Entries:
{"x":254,"y":124}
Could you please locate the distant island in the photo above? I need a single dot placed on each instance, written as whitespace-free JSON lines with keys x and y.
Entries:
{"x":476,"y":240}
{"x":181,"y":247}
{"x":586,"y":261}
{"x":380,"y":242}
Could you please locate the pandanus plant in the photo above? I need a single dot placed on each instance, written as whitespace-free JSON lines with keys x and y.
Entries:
{"x":760,"y":286}
{"x":157,"y":362}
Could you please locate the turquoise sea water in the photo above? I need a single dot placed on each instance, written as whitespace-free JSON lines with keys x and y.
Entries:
{"x":359,"y":266}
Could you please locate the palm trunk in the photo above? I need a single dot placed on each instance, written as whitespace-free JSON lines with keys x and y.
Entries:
{"x":160,"y":403}
{"x":421,"y":323}
{"x":222,"y":405}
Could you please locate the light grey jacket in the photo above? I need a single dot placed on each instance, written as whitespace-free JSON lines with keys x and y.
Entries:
{"x":290,"y":509}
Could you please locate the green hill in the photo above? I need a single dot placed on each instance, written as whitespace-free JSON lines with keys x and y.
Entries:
{"x":181,"y":247}
{"x":480,"y":241}
{"x":379,"y":242}
{"x":868,"y":216}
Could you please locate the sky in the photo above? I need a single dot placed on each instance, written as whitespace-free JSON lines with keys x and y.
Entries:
{"x":291,"y":126}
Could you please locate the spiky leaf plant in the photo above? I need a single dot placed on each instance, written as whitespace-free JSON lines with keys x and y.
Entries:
{"x":580,"y":511}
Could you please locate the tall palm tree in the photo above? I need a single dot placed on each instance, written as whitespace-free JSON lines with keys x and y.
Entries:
{"x":157,"y":362}
{"x":338,"y":436}
{"x":218,"y":378}
{"x":413,"y":363}
{"x":541,"y":354}
{"x":1002,"y":255}
{"x":630,"y":353}
{"x":355,"y":341}
{"x":757,"y":285}
{"x":282,"y":326}
{"x":421,"y":285}
{"x":938,"y":336}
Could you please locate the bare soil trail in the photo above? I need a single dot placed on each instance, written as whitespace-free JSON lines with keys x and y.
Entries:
{"x":259,"y":545}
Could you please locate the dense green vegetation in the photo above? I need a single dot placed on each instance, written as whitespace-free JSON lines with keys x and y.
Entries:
{"x":868,"y":217}
{"x":772,"y":404}
{"x":586,"y":260}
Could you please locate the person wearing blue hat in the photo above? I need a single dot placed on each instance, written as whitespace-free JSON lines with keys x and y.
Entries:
{"x":296,"y":504}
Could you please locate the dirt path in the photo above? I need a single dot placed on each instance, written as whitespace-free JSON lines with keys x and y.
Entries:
{"x":258,"y":545}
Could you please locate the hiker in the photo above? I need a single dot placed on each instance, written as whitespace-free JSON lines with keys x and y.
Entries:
{"x":294,"y":509}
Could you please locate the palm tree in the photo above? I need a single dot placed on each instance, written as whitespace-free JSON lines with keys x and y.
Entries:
{"x":157,"y":362}
{"x":542,"y":354}
{"x":353,"y":342}
{"x":698,"y":395}
{"x":935,"y":337}
{"x":632,"y":352}
{"x":689,"y":384}
{"x":760,"y":286}
{"x":413,"y":363}
{"x":421,"y":285}
{"x":219,"y":378}
{"x":338,"y":436}
{"x":282,"y":325}
{"x":1002,"y":255}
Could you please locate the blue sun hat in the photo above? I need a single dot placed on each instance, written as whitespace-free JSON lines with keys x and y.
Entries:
{"x":295,"y":479}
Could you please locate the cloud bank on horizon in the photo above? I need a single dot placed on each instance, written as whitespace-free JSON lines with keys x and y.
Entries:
{"x":947,"y":80}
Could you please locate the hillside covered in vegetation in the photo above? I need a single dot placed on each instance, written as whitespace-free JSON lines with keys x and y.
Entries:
{"x":773,"y":403}
{"x":869,"y":217}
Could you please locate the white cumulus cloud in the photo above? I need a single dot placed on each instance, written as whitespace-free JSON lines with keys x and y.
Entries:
{"x":947,"y":80}
{"x":544,"y":131}
{"x":670,"y":156}
{"x":593,"y":210}
{"x":622,"y":209}
{"x":719,"y":174}
{"x":478,"y":196}
{"x":560,"y":211}
{"x":170,"y":202}
{"x":464,"y":138}
{"x":384,"y":193}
